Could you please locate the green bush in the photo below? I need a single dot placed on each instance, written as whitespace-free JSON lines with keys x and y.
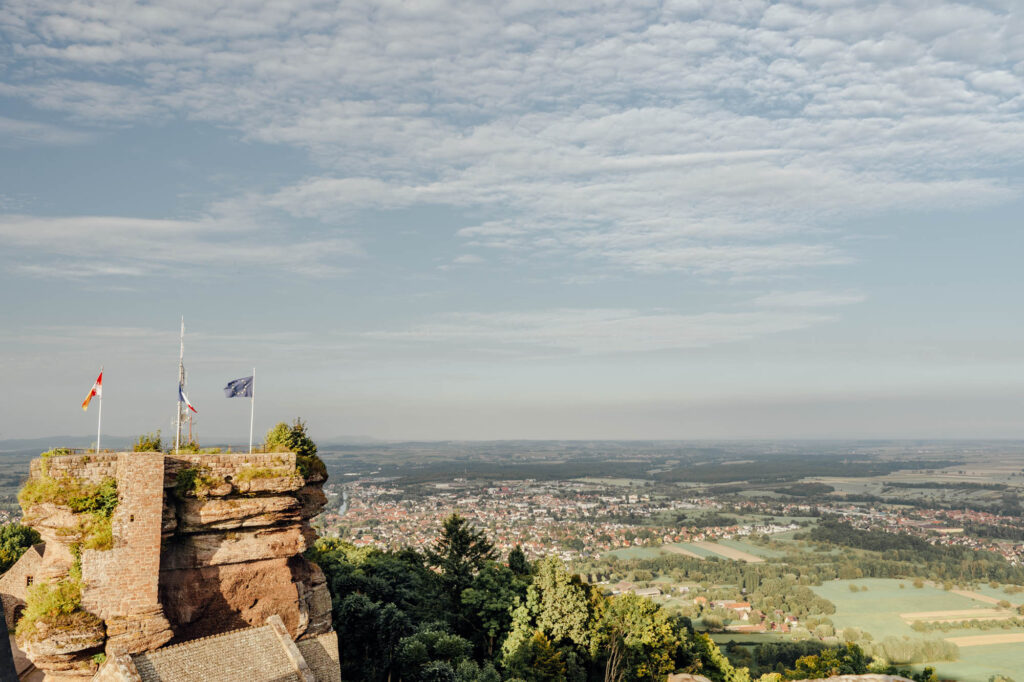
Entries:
{"x":58,"y":604}
{"x":196,"y":480}
{"x":148,"y":442}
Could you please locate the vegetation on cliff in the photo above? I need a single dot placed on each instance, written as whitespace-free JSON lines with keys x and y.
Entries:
{"x":285,"y":438}
{"x":55,"y":605}
{"x":94,"y":502}
{"x":197,"y":481}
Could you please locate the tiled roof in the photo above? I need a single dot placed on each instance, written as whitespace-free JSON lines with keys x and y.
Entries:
{"x":249,"y":655}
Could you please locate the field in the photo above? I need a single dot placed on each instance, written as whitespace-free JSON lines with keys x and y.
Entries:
{"x":679,"y":549}
{"x":953,"y":616}
{"x":985,"y":640}
{"x":886,"y":610}
{"x":751,"y":548}
{"x":729,"y":552}
{"x":737,"y":550}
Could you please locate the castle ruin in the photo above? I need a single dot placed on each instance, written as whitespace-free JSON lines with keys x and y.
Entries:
{"x":201,"y":551}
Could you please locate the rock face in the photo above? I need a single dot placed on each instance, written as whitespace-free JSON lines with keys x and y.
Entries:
{"x":234,"y":555}
{"x":202,"y":544}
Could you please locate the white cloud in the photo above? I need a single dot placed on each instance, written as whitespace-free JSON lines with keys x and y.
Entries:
{"x":598,"y":331}
{"x":808,"y":299}
{"x":92,"y":246}
{"x":17,"y":133}
{"x":707,"y":137}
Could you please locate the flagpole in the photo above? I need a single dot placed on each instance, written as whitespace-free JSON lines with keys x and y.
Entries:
{"x":99,"y":421}
{"x":181,"y":379}
{"x":252,"y":408}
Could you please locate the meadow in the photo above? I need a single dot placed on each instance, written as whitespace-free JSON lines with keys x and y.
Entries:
{"x":878,"y":611}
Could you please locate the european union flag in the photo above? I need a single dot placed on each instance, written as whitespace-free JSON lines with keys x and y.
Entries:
{"x":239,"y":388}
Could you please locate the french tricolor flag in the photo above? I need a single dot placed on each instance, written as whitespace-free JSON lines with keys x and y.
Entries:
{"x":184,"y":399}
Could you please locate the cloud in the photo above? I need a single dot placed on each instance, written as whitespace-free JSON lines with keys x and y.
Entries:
{"x":92,"y":246}
{"x":597,"y":331}
{"x":17,"y":133}
{"x":808,"y":299}
{"x":693,"y":136}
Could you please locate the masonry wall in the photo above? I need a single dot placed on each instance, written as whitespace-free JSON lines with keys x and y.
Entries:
{"x":228,"y":464}
{"x":122,"y":584}
{"x":14,"y":583}
{"x":93,"y":468}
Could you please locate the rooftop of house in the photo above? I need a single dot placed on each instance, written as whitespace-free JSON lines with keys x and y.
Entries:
{"x":257,"y":654}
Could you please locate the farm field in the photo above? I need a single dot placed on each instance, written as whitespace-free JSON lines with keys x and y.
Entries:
{"x":751,"y":548}
{"x":879,"y":610}
{"x":728,"y":552}
{"x":636,"y":553}
{"x":997,"y":594}
{"x":678,"y":549}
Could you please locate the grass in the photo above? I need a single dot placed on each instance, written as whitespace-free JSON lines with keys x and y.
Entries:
{"x":57,"y":604}
{"x":752,"y":548}
{"x":80,"y":496}
{"x":636,"y":553}
{"x":251,"y":473}
{"x":878,"y":610}
{"x":195,"y":480}
{"x":95,"y":502}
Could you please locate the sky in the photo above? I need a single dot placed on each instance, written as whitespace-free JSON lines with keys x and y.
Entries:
{"x":440,"y":220}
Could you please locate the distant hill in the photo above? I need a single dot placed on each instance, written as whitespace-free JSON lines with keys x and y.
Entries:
{"x":47,"y":442}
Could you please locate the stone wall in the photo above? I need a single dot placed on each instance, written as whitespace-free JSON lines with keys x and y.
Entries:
{"x":15,"y":581}
{"x":121,"y":584}
{"x":228,"y":464}
{"x":184,"y":565}
{"x":92,"y":468}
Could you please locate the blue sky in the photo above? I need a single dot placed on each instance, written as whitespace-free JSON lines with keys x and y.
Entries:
{"x":688,"y":219}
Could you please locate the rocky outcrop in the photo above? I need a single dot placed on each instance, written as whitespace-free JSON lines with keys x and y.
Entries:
{"x":232,"y":556}
{"x":201,"y":544}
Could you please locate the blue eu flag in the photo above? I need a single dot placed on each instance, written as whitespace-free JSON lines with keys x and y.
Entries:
{"x":239,"y":388}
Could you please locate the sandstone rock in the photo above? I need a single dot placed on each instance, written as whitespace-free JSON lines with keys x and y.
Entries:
{"x":313,"y":500}
{"x":227,"y":559}
{"x":230,"y":513}
{"x":210,"y":599}
{"x":51,"y":640}
{"x":138,"y":632}
{"x":233,"y":547}
{"x":276,"y":484}
{"x":67,"y":668}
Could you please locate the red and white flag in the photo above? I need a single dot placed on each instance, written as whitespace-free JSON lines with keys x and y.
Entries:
{"x":97,"y":390}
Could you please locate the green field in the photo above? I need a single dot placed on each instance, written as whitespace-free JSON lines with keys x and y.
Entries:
{"x":636,"y":552}
{"x":877,"y":611}
{"x":980,"y":663}
{"x":751,"y":548}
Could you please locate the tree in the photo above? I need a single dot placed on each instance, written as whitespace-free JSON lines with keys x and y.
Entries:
{"x":639,"y":640}
{"x":291,"y":439}
{"x":558,"y":605}
{"x":848,"y":660}
{"x":14,"y":540}
{"x":284,"y":438}
{"x":488,"y":602}
{"x":517,"y":561}
{"x":536,"y":660}
{"x":459,"y":552}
